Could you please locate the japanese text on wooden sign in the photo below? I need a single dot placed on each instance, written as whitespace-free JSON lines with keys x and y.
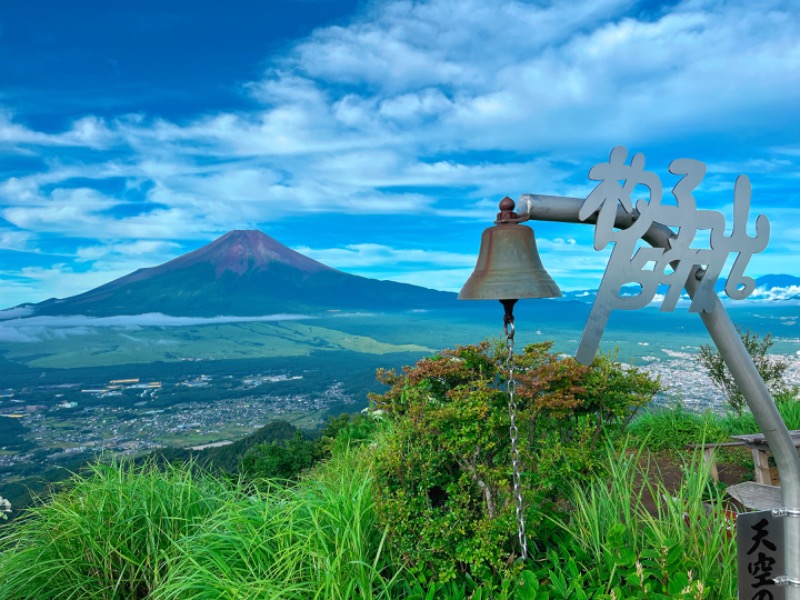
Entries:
{"x":760,"y":540}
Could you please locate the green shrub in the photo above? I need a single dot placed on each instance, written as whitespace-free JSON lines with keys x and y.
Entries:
{"x":770,"y":368}
{"x":278,"y":460}
{"x":108,"y":536}
{"x":443,"y":476}
{"x":345,"y":431}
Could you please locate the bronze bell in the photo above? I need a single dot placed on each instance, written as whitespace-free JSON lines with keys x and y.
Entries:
{"x":508,"y":266}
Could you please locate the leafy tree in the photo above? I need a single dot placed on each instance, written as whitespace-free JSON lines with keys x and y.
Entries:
{"x":278,"y":460}
{"x":344,"y":430}
{"x":443,"y":475}
{"x":287,"y":458}
{"x":770,"y":368}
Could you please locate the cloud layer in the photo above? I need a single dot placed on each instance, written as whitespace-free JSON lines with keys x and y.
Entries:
{"x":15,"y":327}
{"x":391,"y":137}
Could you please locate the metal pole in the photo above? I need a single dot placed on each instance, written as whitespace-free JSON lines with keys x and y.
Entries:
{"x":739,"y":362}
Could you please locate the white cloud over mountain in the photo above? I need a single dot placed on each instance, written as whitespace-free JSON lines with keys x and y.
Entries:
{"x":777,"y":294}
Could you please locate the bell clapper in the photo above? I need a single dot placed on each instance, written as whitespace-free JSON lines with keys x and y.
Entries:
{"x":508,"y":318}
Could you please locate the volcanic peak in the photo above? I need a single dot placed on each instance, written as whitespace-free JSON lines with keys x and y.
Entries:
{"x":243,"y":273}
{"x":243,"y":251}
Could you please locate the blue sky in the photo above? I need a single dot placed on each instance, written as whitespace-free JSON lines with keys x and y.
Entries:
{"x":376,"y":137}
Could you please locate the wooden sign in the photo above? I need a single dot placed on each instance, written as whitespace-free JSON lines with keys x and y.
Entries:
{"x":759,"y":536}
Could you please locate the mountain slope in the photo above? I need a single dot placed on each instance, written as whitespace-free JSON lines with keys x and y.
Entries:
{"x":242,"y":273}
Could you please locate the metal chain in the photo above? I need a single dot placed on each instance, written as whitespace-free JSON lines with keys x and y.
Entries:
{"x":511,"y":385}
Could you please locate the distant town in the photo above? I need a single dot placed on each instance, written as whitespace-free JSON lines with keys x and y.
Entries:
{"x":133,"y":415}
{"x":685,"y":381}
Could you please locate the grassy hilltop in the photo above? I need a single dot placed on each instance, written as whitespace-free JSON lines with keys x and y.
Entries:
{"x":410,"y":501}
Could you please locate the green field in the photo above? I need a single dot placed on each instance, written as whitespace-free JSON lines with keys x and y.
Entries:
{"x":112,"y":346}
{"x":633,"y":333}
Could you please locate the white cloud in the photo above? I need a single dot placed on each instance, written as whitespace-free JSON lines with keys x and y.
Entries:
{"x":355,"y":256}
{"x":436,"y":108}
{"x":603,"y":74}
{"x":776,"y":294}
{"x":415,"y":106}
{"x":448,"y":280}
{"x":138,"y":250}
{"x":60,"y":280}
{"x":15,"y":313}
{"x":17,"y":240}
{"x":86,"y":132}
{"x":34,"y":329}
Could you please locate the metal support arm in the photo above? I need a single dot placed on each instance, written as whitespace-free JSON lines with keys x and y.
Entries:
{"x":734,"y":353}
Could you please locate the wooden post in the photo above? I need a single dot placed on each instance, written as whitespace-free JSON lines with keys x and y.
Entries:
{"x":761,"y":466}
{"x":709,"y":456}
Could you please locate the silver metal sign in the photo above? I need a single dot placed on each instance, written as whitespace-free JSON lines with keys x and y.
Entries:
{"x":632,"y":265}
{"x":759,"y":536}
{"x":611,"y":207}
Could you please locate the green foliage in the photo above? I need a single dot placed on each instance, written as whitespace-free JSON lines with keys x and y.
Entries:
{"x":443,"y":476}
{"x":412,"y":502}
{"x":135,"y":532}
{"x":228,"y":458}
{"x":278,"y":460}
{"x":771,"y":369}
{"x":345,"y":431}
{"x":617,"y":392}
{"x":674,"y":428}
{"x":525,"y":586}
{"x":108,"y":535}
{"x":612,"y":546}
{"x":286,"y":458}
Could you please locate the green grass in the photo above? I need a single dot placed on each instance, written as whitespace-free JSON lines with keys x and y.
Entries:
{"x":123,"y":532}
{"x":614,"y":544}
{"x":317,"y":540}
{"x":674,"y":428}
{"x":106,"y":346}
{"x":108,"y":536}
{"x":788,"y":406}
